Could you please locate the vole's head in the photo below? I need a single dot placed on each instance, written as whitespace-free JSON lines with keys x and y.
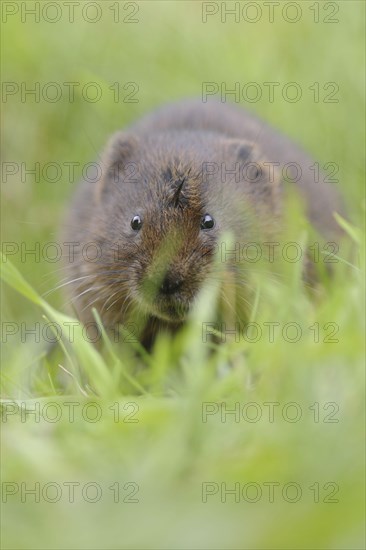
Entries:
{"x":162,"y":204}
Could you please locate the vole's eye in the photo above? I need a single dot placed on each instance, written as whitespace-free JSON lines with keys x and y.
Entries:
{"x":136,"y":223}
{"x":207,"y":222}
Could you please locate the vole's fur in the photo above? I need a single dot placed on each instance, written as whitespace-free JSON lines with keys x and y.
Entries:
{"x":171,"y":168}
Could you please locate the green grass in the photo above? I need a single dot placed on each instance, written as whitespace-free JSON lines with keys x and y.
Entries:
{"x":151,"y":440}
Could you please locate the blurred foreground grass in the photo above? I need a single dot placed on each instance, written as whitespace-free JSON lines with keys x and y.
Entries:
{"x":144,"y":437}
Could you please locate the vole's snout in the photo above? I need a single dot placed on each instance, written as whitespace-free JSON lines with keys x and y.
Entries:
{"x":171,"y":284}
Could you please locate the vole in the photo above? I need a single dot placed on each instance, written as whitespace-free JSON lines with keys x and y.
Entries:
{"x":170,"y":186}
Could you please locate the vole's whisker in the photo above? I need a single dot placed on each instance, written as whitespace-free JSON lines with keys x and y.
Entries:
{"x":66,"y":283}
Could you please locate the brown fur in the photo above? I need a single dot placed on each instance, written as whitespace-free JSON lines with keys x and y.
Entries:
{"x":163,"y":169}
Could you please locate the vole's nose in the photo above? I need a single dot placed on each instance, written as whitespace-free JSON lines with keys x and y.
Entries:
{"x":171,"y":284}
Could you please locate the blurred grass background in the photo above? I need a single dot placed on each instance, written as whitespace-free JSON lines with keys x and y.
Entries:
{"x":169,"y":452}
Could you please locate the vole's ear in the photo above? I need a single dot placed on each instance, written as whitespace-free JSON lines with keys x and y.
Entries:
{"x":240,"y":150}
{"x":263,"y":177}
{"x":117,"y":158}
{"x":118,"y":152}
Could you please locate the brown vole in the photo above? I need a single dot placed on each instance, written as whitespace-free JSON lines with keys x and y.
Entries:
{"x":171,"y":185}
